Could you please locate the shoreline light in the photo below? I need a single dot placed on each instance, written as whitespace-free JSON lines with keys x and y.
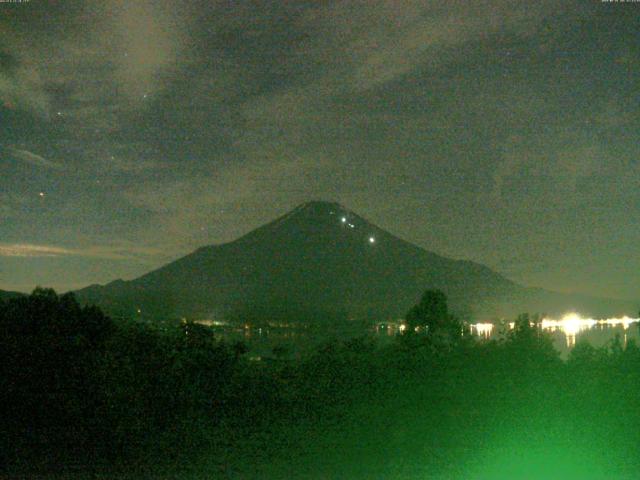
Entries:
{"x":483,"y":330}
{"x":570,"y":325}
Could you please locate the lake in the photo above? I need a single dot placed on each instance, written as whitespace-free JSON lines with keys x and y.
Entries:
{"x":296,"y":342}
{"x":573,"y":328}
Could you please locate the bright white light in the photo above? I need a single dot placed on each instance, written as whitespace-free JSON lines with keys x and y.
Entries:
{"x":572,"y":324}
{"x":613,"y":322}
{"x":483,"y":330}
{"x":372,"y":240}
{"x":41,"y":194}
{"x":343,"y":219}
{"x":351,"y":225}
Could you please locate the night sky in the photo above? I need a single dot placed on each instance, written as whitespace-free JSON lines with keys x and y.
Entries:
{"x":132,"y":132}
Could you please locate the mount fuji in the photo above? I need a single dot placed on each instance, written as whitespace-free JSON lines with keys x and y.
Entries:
{"x":322,"y":262}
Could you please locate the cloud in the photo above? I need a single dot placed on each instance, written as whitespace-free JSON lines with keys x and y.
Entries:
{"x":131,"y":165}
{"x":561,"y":158}
{"x":141,"y":254}
{"x":182,"y":208}
{"x":383,"y":40}
{"x":31,"y":158}
{"x":12,"y":205}
{"x":27,"y":250}
{"x":20,"y":81}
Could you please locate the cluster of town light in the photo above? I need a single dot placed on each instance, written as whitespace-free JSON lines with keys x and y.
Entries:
{"x":483,"y":330}
{"x":571,"y":324}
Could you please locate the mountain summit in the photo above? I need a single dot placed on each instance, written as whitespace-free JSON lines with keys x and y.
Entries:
{"x":318,"y":263}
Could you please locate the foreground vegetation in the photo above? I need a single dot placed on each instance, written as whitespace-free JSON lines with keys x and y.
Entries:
{"x":83,"y":394}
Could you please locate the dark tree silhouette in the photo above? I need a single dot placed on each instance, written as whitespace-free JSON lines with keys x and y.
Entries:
{"x":432,"y":314}
{"x":49,"y":355}
{"x":239,"y":348}
{"x":127,"y":397}
{"x":280,"y":352}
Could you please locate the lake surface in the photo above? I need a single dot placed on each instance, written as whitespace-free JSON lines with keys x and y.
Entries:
{"x":297,"y":342}
{"x":572,"y":328}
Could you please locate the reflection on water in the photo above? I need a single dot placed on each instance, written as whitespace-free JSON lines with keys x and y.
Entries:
{"x":572,"y":326}
{"x":297,"y":340}
{"x":483,"y":330}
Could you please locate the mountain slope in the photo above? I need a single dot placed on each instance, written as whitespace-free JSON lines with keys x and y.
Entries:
{"x":8,"y":295}
{"x":320,"y":262}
